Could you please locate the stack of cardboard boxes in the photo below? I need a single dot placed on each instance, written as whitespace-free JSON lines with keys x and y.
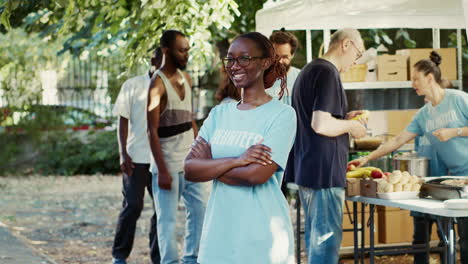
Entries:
{"x":399,"y":67}
{"x":391,"y":226}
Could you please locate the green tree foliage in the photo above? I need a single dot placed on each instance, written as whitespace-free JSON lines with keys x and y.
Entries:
{"x":131,"y":25}
{"x":22,"y":59}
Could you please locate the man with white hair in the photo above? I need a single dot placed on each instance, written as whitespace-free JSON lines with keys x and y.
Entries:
{"x":318,"y":160}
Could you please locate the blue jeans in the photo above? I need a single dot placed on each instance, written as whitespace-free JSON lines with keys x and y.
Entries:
{"x":323,"y":211}
{"x":194,"y":196}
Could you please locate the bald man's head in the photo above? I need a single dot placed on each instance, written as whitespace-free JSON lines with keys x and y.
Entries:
{"x":346,"y":34}
{"x":346,"y":46}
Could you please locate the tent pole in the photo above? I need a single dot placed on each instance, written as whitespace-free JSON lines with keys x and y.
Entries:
{"x":436,"y":38}
{"x":309,"y":45}
{"x":459,"y":60}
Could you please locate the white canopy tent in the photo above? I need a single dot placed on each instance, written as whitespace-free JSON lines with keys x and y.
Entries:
{"x":362,"y":14}
{"x":333,"y":14}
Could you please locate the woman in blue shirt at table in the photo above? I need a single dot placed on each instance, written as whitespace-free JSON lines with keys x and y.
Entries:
{"x":441,"y":125}
{"x":243,"y":147}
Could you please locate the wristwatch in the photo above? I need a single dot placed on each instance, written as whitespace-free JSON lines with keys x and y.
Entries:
{"x":459,"y":131}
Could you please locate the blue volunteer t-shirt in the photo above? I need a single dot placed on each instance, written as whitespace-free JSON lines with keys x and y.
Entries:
{"x":248,"y":224}
{"x":451,"y":112}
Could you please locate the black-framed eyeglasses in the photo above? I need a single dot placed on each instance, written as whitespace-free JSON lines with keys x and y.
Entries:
{"x":243,"y":61}
{"x":359,"y":53}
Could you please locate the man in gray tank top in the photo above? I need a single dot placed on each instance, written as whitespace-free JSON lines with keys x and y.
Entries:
{"x":171,"y":130}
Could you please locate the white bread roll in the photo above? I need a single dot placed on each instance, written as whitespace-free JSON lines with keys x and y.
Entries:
{"x":388,"y":188}
{"x":383,"y":187}
{"x":395,"y":177}
{"x":415,"y":187}
{"x":380,"y":186}
{"x":415,"y":180}
{"x":405,"y":177}
{"x":398,"y":187}
{"x":407,"y":187}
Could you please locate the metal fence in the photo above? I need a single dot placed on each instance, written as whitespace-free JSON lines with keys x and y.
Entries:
{"x":92,"y":84}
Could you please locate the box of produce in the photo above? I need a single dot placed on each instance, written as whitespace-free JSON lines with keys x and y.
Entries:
{"x":358,"y":180}
{"x":353,"y":187}
{"x":368,"y":188}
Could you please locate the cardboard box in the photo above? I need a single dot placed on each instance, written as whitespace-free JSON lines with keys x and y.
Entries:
{"x":448,"y":65}
{"x":395,"y":226}
{"x":352,"y":187}
{"x":348,"y":237}
{"x":392,"y":68}
{"x":398,"y":120}
{"x":390,"y":122}
{"x":368,"y":188}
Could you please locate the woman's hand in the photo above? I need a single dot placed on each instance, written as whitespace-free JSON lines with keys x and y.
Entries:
{"x":445,"y":134}
{"x":258,"y":153}
{"x":201,"y":149}
{"x":358,"y":162}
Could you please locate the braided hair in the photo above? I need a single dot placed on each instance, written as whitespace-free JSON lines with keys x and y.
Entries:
{"x":276,"y":70}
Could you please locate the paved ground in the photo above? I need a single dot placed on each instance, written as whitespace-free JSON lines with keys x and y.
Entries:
{"x":14,"y":251}
{"x":71,"y":220}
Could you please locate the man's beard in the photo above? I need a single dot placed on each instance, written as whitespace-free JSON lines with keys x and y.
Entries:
{"x":287,"y":66}
{"x":177,"y":62}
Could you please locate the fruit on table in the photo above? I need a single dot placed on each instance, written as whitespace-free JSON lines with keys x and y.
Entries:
{"x":364,"y":172}
{"x":363,"y":115}
{"x":376,"y":174}
{"x":352,"y":165}
{"x":357,"y":173}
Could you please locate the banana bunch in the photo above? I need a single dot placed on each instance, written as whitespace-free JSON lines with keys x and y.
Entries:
{"x":365,"y":172}
{"x":364,"y":115}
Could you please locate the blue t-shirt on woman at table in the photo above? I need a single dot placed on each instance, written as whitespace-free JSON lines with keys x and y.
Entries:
{"x":452,"y":112}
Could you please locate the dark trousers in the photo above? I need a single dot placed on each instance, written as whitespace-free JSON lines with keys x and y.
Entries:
{"x":134,"y":192}
{"x":422,"y":223}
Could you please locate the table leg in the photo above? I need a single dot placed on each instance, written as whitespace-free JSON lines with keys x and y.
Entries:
{"x":442,"y":226}
{"x":426,"y":230}
{"x":355,"y":233}
{"x":452,"y":252}
{"x":363,"y":238}
{"x":298,"y":229}
{"x":371,"y":230}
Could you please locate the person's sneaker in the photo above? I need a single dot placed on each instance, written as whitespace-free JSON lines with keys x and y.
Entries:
{"x":118,"y":261}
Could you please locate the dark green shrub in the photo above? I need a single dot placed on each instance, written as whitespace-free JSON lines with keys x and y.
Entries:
{"x":65,"y":153}
{"x":59,"y":153}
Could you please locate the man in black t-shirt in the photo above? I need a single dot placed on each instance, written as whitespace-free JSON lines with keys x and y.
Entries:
{"x":318,"y":159}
